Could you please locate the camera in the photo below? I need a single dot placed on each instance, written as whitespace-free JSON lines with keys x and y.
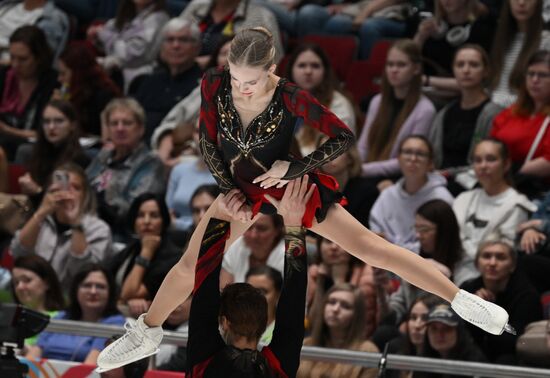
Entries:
{"x":61,"y":178}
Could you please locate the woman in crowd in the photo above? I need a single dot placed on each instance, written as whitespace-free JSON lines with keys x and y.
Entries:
{"x":308,"y":66}
{"x":454,"y":24}
{"x":519,"y":125}
{"x":92,"y":298}
{"x":64,"y":229}
{"x":463,"y":122}
{"x":340,"y":324}
{"x":140,"y":267}
{"x":392,"y":215}
{"x":493,"y":207}
{"x":519,"y":34}
{"x":502,"y":283}
{"x":35,"y":285}
{"x":129,"y":40}
{"x":57,"y":144}
{"x":27,"y":85}
{"x":270,"y":282}
{"x":398,"y":111}
{"x":86,"y":85}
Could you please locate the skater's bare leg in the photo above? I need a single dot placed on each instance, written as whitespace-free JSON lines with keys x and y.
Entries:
{"x":343,"y":229}
{"x":179,"y":282}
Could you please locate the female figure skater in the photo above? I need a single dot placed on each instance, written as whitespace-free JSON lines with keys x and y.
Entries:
{"x":252,"y":113}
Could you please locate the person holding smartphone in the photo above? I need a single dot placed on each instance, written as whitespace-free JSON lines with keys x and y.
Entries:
{"x":64,"y":229}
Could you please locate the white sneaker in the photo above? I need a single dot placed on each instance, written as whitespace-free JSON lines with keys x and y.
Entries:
{"x":486,"y":315}
{"x":138,"y":342}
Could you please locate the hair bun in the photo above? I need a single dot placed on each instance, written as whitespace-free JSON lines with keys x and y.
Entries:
{"x":263,"y":30}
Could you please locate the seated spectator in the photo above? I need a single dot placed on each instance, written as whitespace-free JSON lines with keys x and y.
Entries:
{"x":40,"y":13}
{"x":56,"y":144}
{"x":519,"y":125}
{"x":371,"y":20}
{"x":176,"y":76}
{"x":140,"y":267}
{"x":92,"y":299}
{"x":130,"y":40}
{"x":392,"y":215}
{"x":493,"y":207}
{"x":308,"y":66}
{"x":439,"y":236}
{"x":86,"y":85}
{"x":462,"y":123}
{"x":400,"y":108}
{"x":129,"y":169}
{"x":27,"y":85}
{"x":339,"y":325}
{"x":262,"y":244}
{"x":35,"y":285}
{"x":447,"y":338}
{"x":270,"y":282}
{"x":64,"y":229}
{"x":218,"y":18}
{"x":519,"y":34}
{"x":454,"y":24}
{"x":501,"y":283}
{"x":535,"y":233}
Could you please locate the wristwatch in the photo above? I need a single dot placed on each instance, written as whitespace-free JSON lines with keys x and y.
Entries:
{"x":142,"y":261}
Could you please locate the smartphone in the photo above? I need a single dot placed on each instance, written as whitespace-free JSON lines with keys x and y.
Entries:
{"x":61,"y":178}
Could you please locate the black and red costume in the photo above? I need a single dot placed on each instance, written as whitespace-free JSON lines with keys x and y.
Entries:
{"x":207,"y":353}
{"x":236,"y":156}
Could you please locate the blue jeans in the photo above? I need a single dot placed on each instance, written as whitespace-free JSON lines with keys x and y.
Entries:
{"x":89,"y":10}
{"x":285,"y":18}
{"x":311,"y":19}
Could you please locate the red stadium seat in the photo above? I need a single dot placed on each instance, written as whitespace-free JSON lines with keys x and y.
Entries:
{"x":362,"y":80}
{"x":341,"y":51}
{"x":378,"y":55}
{"x":14,"y":172}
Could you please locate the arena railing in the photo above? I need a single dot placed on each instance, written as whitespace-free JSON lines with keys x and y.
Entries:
{"x":393,"y":361}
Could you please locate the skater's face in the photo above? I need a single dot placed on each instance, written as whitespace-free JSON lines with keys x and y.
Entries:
{"x":267,"y":287}
{"x":489,"y":165}
{"x":426,"y":233}
{"x":29,"y":287}
{"x":93,"y":293}
{"x":442,"y":337}
{"x":199,"y":206}
{"x":469,"y":68}
{"x":333,"y":254}
{"x":400,"y":69}
{"x":261,"y":237}
{"x":414,"y":158}
{"x":339,"y":310}
{"x":308,"y":70}
{"x":249,"y":82}
{"x":416,"y":324}
{"x":57,"y":127}
{"x":495,"y":263}
{"x":148,"y":220}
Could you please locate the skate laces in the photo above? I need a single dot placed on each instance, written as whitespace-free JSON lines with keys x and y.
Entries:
{"x":130,"y":341}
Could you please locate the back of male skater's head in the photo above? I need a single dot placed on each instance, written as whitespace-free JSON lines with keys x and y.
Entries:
{"x":253,"y":47}
{"x":242,"y":316}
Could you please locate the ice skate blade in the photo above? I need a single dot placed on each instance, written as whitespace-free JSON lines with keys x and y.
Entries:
{"x":508,"y":328}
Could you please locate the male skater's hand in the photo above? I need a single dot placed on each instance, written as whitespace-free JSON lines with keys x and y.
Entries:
{"x":233,"y":206}
{"x":292,"y":205}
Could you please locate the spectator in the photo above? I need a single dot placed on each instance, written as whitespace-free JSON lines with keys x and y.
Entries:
{"x":140,"y":267}
{"x":130,"y":40}
{"x":494,"y":207}
{"x":92,"y":299}
{"x":519,"y":125}
{"x":218,"y":18}
{"x":462,"y":123}
{"x":40,"y":13}
{"x":500,"y":282}
{"x":35,"y":285}
{"x":448,"y":338}
{"x":27,"y":85}
{"x":57,"y":144}
{"x":122,"y":173}
{"x":262,"y":244}
{"x":65,"y":230}
{"x":270,"y":282}
{"x":400,"y":108}
{"x":308,"y":66}
{"x":454,"y":24}
{"x":392,"y":215}
{"x":177,"y":74}
{"x":340,"y":325}
{"x":535,"y":233}
{"x":519,"y":34}
{"x":86,"y":85}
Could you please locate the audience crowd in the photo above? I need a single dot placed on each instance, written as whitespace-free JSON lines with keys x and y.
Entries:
{"x":99,"y":106}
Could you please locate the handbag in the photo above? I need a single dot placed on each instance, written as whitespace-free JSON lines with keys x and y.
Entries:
{"x":15,"y":210}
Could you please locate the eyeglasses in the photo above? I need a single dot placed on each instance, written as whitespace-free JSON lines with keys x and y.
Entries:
{"x":538,"y":74}
{"x":91,"y":285}
{"x":181,"y":40}
{"x":420,"y":155}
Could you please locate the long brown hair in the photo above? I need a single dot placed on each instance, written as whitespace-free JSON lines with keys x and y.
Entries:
{"x":381,"y":135}
{"x":506,"y":30}
{"x":525,"y":105}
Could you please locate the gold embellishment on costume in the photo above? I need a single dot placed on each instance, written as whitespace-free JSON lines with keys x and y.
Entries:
{"x":210,"y":153}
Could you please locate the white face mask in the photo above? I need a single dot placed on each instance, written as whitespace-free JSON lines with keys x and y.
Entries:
{"x":223,"y":334}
